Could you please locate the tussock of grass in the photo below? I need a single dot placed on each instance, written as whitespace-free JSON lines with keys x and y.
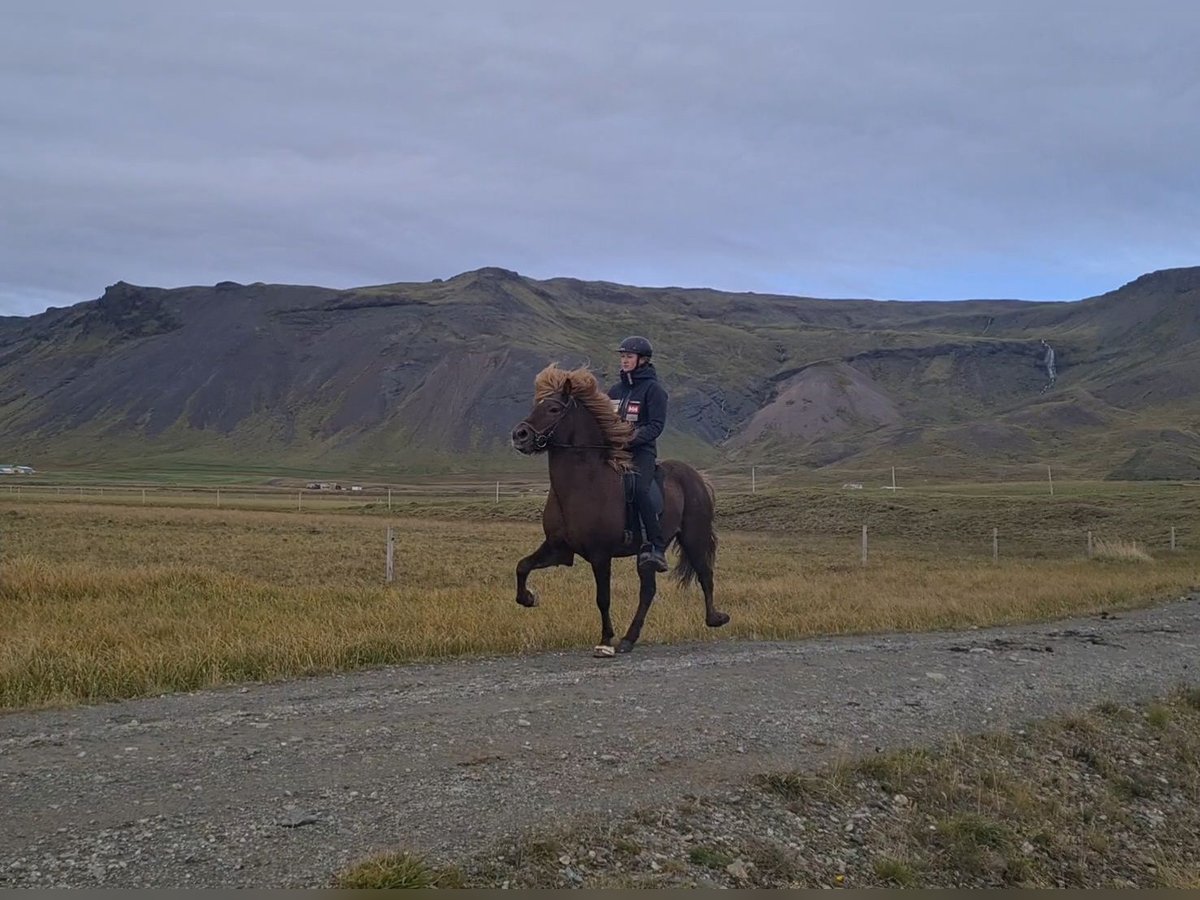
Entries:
{"x":894,"y":771}
{"x":798,"y":786}
{"x":894,"y":872}
{"x":1120,"y":551}
{"x":399,"y":870}
{"x":105,"y":602}
{"x":1158,"y":715}
{"x":709,"y":857}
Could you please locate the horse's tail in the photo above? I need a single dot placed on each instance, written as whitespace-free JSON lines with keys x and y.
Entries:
{"x":697,"y":541}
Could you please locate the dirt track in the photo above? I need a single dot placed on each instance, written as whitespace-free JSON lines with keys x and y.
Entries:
{"x":281,"y":785}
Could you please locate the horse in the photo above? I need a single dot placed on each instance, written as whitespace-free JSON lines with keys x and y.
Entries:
{"x":588,"y":512}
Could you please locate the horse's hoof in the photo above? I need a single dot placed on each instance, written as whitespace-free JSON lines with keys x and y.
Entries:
{"x":716,"y":620}
{"x":530,"y":599}
{"x":625,"y":646}
{"x":603,"y":651}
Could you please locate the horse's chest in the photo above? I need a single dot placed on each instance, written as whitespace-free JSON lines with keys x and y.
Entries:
{"x":593,"y":509}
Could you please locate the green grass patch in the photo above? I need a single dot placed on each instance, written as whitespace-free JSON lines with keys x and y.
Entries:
{"x":399,"y":871}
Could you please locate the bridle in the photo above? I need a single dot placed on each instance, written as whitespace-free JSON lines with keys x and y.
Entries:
{"x":544,"y":439}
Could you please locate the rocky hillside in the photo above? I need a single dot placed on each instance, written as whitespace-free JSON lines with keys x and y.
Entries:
{"x":431,"y":376}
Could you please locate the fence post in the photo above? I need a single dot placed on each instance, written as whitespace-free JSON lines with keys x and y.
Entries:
{"x":143,"y":496}
{"x":218,"y":498}
{"x":753,"y":481}
{"x":299,"y":500}
{"x":389,"y":499}
{"x":1089,"y":550}
{"x":995,"y":545}
{"x":497,"y":492}
{"x":864,"y":545}
{"x":391,"y":551}
{"x":1172,"y":537}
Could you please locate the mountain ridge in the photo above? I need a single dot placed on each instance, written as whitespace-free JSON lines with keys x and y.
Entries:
{"x":431,"y":376}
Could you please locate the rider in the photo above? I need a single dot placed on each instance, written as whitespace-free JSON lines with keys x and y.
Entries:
{"x":642,"y":402}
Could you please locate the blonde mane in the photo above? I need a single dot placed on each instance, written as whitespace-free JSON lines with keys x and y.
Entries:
{"x":581,"y":384}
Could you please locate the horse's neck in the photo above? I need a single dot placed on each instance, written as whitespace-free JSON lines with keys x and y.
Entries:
{"x":567,"y":466}
{"x":571,"y":468}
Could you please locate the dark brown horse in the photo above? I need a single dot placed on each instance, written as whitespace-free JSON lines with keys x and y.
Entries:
{"x":585,"y":514}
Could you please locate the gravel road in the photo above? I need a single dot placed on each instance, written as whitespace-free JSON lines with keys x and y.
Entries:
{"x":281,"y":785}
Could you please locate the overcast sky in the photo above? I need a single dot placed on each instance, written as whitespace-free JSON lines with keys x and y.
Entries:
{"x":1037,"y":150}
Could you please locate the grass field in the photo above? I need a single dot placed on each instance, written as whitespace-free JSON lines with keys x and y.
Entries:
{"x":103,"y":598}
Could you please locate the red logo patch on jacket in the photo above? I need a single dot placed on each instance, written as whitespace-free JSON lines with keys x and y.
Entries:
{"x":633,"y":410}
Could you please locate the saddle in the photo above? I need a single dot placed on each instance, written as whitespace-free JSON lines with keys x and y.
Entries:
{"x":633,"y":522}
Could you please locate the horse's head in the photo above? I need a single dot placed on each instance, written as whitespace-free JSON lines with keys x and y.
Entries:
{"x":570,"y":411}
{"x":548,"y":423}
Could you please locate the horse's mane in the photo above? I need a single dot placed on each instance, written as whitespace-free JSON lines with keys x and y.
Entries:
{"x":582,"y":384}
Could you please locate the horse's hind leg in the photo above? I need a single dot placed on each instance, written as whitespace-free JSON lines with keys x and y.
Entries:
{"x":645,"y":598}
{"x":697,"y":553}
{"x":713,"y":617}
{"x":546,"y":555}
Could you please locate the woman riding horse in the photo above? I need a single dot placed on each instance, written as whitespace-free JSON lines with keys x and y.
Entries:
{"x":573,"y":421}
{"x":642,"y":402}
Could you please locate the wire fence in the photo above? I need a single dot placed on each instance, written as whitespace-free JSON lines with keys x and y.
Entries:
{"x":274,"y":498}
{"x":989,"y":531}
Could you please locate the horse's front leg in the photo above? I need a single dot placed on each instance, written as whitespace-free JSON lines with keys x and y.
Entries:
{"x":645,"y":598}
{"x":548,"y":554}
{"x":602,"y":571}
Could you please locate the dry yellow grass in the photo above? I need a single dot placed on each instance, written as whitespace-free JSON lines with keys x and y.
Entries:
{"x":1117,"y":549}
{"x":100,"y":602}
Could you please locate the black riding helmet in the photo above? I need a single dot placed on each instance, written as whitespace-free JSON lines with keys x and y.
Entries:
{"x":636,"y":344}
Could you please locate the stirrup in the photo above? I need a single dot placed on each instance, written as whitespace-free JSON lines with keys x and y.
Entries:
{"x":652,"y":559}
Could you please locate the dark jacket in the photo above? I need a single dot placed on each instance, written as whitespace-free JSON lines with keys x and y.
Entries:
{"x":643,"y":403}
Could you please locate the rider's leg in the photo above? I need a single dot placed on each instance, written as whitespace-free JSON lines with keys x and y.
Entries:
{"x":653,"y":553}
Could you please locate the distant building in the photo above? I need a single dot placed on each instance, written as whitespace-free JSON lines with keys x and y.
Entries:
{"x":10,"y":469}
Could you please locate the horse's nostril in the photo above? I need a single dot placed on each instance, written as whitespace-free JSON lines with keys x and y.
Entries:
{"x":521,"y":433}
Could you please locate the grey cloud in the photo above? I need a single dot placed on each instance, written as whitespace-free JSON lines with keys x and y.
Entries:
{"x":851,"y":149}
